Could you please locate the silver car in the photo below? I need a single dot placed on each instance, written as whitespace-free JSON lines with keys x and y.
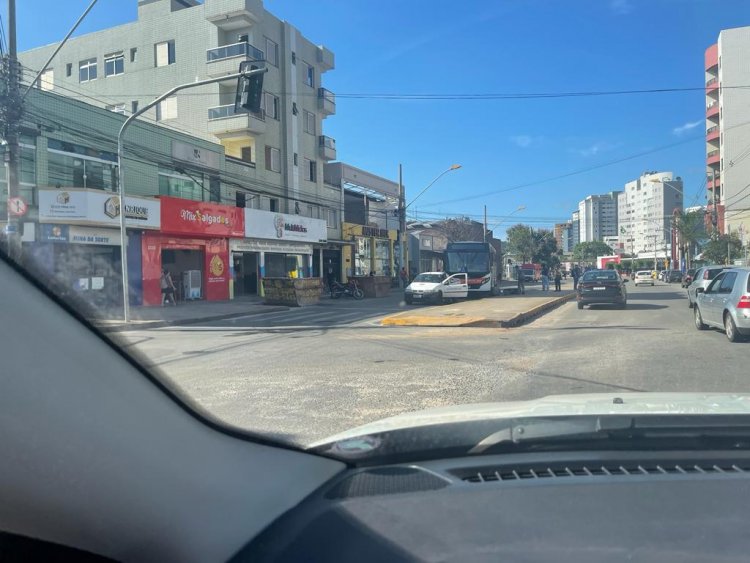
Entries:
{"x":725,"y":304}
{"x":701,"y":279}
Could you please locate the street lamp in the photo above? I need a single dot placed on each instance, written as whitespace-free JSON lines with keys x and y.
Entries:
{"x":443,"y":173}
{"x":504,"y":219}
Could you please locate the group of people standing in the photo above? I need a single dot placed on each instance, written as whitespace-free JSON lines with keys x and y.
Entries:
{"x":555,"y":274}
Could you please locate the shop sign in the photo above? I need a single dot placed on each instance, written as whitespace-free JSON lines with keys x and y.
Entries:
{"x":183,"y":216}
{"x":196,"y":155}
{"x":97,"y":207}
{"x":284,"y":227}
{"x":374,"y":232}
{"x":92,"y":235}
{"x":54,"y":233}
{"x":270,"y":246}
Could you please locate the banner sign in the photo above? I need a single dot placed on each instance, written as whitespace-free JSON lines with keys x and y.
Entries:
{"x":284,"y":227}
{"x":184,"y":216}
{"x":97,"y":207}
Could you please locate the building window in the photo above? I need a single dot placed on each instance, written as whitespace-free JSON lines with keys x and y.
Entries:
{"x":27,"y":174}
{"x":246,"y":154}
{"x":309,"y":75}
{"x":177,"y":185}
{"x":75,"y":166}
{"x":271,"y":105}
{"x":311,"y":170}
{"x":164,"y":53}
{"x":69,"y":70}
{"x":273,"y":159}
{"x":272,"y":52}
{"x":273,"y":204}
{"x":87,"y":70}
{"x":214,"y":190}
{"x":331,"y":218}
{"x":134,"y":106}
{"x":309,"y":119}
{"x":47,"y":80}
{"x":133,"y":54}
{"x":114,"y":64}
{"x":166,"y":109}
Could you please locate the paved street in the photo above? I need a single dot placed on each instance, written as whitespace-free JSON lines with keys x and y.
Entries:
{"x":307,"y":373}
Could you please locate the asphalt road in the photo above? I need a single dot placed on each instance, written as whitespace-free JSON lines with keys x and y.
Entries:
{"x":320,"y":371}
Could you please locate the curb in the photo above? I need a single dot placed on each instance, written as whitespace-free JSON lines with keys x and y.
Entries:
{"x":521,"y":318}
{"x":146,"y":325}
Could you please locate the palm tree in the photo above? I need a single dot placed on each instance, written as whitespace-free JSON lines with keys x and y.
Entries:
{"x":691,"y":228}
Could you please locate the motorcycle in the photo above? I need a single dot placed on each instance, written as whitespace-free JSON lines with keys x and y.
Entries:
{"x":351,"y":289}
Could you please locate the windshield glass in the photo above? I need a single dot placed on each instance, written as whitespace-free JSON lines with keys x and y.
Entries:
{"x":250,"y":236}
{"x":429,"y":278}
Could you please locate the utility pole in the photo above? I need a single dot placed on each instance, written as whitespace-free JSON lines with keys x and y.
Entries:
{"x":485,"y":224}
{"x":715,"y":212}
{"x":401,"y":224}
{"x":12,"y":119}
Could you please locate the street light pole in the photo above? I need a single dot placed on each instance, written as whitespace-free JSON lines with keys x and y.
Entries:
{"x":121,"y":171}
{"x":443,"y":173}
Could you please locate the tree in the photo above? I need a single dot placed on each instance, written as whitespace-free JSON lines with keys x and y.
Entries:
{"x":462,"y":229}
{"x":588,"y":251}
{"x":521,"y":242}
{"x":718,"y":250}
{"x":545,"y":251}
{"x":691,"y":228}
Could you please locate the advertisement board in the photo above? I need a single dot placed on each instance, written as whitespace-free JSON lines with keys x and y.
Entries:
{"x":187,"y":217}
{"x":284,"y":227}
{"x":97,"y":207}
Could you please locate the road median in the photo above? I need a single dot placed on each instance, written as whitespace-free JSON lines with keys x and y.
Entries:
{"x":492,"y":312}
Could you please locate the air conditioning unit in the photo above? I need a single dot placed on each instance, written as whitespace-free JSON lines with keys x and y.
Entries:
{"x":191,"y":284}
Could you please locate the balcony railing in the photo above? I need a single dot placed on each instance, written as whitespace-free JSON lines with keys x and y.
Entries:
{"x":711,"y":154}
{"x":327,"y":142}
{"x":220,"y":112}
{"x":327,"y":95}
{"x":712,"y":81}
{"x":712,"y":104}
{"x":713,"y":129}
{"x":242,"y":49}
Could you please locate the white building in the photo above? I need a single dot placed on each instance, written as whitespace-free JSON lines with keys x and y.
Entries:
{"x":598,"y":217}
{"x":727,"y":129}
{"x":645,"y":211}
{"x":575,"y":230}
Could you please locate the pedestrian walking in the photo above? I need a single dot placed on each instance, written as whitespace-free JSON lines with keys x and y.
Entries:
{"x":167,"y":288}
{"x":558,"y":279}
{"x":519,"y":277}
{"x":330,"y":277}
{"x":576,"y":273}
{"x":545,"y":277}
{"x":404,"y":276}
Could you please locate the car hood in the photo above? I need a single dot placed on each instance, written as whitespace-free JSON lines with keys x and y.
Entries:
{"x":556,"y":405}
{"x":423,"y":286}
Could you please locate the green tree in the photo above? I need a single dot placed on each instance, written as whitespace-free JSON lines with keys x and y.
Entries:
{"x":717,"y":251}
{"x":545,"y":251}
{"x":521,"y":242}
{"x":588,"y":251}
{"x":691,"y":228}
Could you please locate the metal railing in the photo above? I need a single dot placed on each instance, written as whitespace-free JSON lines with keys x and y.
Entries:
{"x":712,"y":153}
{"x":327,"y":142}
{"x":327,"y":95}
{"x":242,"y":49}
{"x":221,"y":112}
{"x":712,"y":129}
{"x":712,"y":104}
{"x":712,"y":81}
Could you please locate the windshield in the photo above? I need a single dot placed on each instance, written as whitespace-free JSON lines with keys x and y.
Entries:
{"x":251,"y":239}
{"x":429,"y":278}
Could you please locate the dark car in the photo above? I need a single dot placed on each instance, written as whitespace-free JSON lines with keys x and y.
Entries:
{"x":601,"y":287}
{"x":688,"y":277}
{"x":674,"y":276}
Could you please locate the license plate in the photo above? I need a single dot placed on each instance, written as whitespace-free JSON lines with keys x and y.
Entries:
{"x":599,"y":288}
{"x":417,"y":297}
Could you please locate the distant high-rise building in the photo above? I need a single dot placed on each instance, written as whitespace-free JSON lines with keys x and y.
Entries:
{"x":646,"y":209}
{"x":727,"y":133}
{"x":574,"y":235}
{"x":598,"y":217}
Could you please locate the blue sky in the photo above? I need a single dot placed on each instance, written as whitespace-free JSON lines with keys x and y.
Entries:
{"x":495,"y":47}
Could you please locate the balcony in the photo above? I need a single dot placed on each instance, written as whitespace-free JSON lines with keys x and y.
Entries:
{"x":224,"y":121}
{"x":326,"y":101}
{"x":325,"y":58}
{"x":712,"y":109}
{"x":712,"y":84}
{"x":327,"y":147}
{"x":710,"y":183}
{"x":712,"y":157}
{"x":233,"y":14}
{"x":226,"y":59}
{"x":712,"y":133}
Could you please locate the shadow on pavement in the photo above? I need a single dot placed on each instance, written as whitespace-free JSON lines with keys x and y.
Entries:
{"x":618,"y":327}
{"x":661,"y":295}
{"x":630,"y":306}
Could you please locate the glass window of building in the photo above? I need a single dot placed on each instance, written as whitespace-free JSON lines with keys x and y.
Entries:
{"x":382,"y":257}
{"x":87,"y":70}
{"x":363,"y":258}
{"x":74,"y":166}
{"x":114,"y":64}
{"x":272,"y":52}
{"x":177,"y":185}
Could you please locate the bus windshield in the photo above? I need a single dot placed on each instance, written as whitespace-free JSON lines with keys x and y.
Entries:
{"x":477,"y":262}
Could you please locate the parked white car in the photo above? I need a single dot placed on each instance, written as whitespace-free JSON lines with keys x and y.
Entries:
{"x":437,"y":287}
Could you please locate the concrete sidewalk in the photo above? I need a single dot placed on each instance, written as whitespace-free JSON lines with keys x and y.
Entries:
{"x":502,"y":311}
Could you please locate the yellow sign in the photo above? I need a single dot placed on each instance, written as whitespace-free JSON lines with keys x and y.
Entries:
{"x":217,"y":266}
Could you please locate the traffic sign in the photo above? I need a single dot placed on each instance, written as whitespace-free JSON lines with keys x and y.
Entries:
{"x":17,"y":206}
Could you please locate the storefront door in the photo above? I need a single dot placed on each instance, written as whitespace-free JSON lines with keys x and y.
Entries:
{"x":245,"y":273}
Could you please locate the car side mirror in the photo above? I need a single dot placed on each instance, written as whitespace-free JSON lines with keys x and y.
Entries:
{"x":700,"y":290}
{"x":626,"y":280}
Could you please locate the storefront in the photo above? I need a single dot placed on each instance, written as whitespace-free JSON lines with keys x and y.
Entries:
{"x":275,"y":245}
{"x":79,"y":241}
{"x":193,"y":246}
{"x":370,"y":252}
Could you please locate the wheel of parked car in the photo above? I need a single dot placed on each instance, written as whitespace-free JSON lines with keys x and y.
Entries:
{"x":731,"y":328}
{"x":580,"y":305}
{"x":699,"y":319}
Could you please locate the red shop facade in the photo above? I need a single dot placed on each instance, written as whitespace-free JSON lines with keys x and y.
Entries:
{"x":193,"y":246}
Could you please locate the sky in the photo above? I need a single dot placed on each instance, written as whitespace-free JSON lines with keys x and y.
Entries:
{"x":513,"y":152}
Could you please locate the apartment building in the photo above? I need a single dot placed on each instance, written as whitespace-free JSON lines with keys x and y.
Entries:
{"x":563,"y":236}
{"x":598,"y":217}
{"x":645,"y":210}
{"x":574,"y":234}
{"x":728,"y":131}
{"x":174,"y":42}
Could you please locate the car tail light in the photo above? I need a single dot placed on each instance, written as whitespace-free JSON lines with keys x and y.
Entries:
{"x":744,"y":302}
